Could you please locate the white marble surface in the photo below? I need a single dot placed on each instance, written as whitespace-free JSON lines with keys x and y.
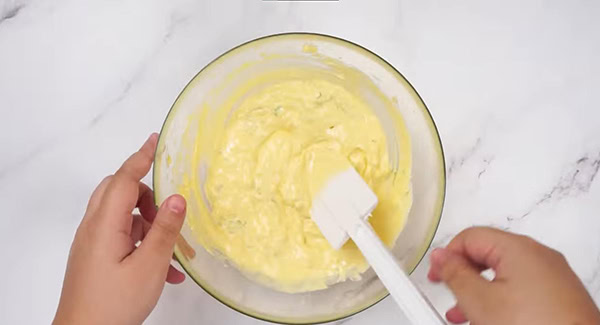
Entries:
{"x":512,"y":86}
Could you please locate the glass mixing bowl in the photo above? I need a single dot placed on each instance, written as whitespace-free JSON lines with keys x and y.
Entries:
{"x":176,"y":146}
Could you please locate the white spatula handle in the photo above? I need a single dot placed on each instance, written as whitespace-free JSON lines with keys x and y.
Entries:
{"x":412,"y":302}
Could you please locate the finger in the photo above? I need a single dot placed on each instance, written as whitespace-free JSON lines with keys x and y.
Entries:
{"x":174,"y":276}
{"x":473,"y":292}
{"x":138,"y":165}
{"x":456,"y":316}
{"x":435,"y":269}
{"x":137,"y":229}
{"x":96,"y":197}
{"x":146,"y":202}
{"x":157,"y":247}
{"x":483,"y":246}
{"x":457,"y":272}
{"x":121,"y":194}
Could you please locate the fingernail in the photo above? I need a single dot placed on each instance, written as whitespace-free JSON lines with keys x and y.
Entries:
{"x":439,"y":256}
{"x":151,"y":139}
{"x":176,"y":203}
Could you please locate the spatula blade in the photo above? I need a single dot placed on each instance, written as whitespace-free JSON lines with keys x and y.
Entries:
{"x":345,"y":199}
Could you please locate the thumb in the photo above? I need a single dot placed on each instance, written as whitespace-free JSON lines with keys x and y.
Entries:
{"x":473,"y":292}
{"x":157,"y":247}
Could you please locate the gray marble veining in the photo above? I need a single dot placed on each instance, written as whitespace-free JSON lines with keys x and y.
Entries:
{"x":511,"y":86}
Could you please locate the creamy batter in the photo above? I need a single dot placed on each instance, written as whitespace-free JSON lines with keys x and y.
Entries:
{"x":257,"y":186}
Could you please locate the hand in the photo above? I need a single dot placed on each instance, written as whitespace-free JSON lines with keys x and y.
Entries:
{"x":533,"y":283}
{"x":108,"y":279}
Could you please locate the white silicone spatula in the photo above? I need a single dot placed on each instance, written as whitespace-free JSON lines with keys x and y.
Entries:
{"x":340,"y":209}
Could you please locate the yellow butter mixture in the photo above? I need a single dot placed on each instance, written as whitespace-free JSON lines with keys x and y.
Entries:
{"x":257,"y":183}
